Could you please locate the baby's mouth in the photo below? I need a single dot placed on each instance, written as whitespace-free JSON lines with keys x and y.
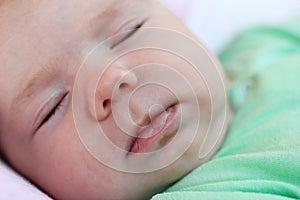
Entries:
{"x":158,"y":132}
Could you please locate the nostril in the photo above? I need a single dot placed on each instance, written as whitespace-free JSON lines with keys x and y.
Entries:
{"x":128,"y":81}
{"x":123,"y":86}
{"x":106,"y":104}
{"x":104,"y":110}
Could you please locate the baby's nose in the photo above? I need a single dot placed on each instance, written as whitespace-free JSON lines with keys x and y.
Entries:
{"x":115,"y":79}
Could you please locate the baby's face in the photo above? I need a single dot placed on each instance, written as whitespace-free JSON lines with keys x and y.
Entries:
{"x":64,"y":94}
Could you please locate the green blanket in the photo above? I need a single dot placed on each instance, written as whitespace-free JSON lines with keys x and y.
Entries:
{"x":260,"y":157}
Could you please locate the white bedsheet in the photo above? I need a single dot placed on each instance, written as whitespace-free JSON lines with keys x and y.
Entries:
{"x":14,"y":187}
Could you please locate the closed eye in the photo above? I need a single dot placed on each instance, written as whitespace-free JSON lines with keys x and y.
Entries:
{"x":58,"y":104}
{"x":125,"y":35}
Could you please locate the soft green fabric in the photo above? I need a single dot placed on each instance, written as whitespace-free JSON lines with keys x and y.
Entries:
{"x":260,"y":157}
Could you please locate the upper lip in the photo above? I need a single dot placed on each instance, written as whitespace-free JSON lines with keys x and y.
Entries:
{"x":146,"y":120}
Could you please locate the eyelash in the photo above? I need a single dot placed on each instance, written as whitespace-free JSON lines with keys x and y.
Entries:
{"x":128,"y":35}
{"x":54,"y":110}
{"x":59,"y":104}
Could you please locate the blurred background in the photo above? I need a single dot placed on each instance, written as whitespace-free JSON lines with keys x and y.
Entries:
{"x":216,"y":22}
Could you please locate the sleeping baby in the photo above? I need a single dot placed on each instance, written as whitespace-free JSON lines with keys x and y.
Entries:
{"x":119,"y":100}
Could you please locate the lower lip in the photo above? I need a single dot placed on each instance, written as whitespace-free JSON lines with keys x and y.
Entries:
{"x":166,"y":131}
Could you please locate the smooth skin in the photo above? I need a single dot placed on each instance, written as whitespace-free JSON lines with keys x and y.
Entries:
{"x":43,"y":44}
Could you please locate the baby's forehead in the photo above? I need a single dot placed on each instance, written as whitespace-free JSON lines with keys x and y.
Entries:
{"x":31,"y":31}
